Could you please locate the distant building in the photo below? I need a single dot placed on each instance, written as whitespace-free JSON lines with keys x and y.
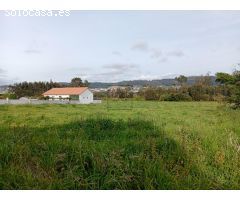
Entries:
{"x":98,"y":89}
{"x":82,"y":94}
{"x":115,"y":88}
{"x":135,"y":89}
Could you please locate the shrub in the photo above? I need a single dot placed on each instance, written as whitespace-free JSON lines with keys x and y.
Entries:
{"x":9,"y":95}
{"x":233,"y":82}
{"x":151,"y":94}
{"x":176,"y":97}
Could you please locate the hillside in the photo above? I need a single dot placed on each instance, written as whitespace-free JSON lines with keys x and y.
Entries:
{"x":157,"y":82}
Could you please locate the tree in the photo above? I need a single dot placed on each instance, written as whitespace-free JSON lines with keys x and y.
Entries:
{"x":76,"y":82}
{"x":233,"y":82}
{"x":86,"y":83}
{"x":151,"y":94}
{"x":181,"y":79}
{"x":224,"y":78}
{"x":204,"y":80}
{"x":32,"y":89}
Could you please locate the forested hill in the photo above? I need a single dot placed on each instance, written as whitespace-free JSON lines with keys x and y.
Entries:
{"x":161,"y":82}
{"x":158,"y":82}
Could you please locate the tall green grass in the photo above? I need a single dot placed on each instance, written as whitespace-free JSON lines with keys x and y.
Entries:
{"x":155,"y":145}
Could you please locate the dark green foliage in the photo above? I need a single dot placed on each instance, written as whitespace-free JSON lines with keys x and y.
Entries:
{"x":176,"y":97}
{"x":224,"y":78}
{"x":32,"y":89}
{"x":196,"y":92}
{"x":8,"y":95}
{"x":77,"y":82}
{"x":36,"y":89}
{"x":200,"y":92}
{"x":233,"y":83}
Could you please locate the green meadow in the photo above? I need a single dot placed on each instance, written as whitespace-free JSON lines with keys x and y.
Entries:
{"x":120,"y":145}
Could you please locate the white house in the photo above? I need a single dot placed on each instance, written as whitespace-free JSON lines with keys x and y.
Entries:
{"x":83,"y":94}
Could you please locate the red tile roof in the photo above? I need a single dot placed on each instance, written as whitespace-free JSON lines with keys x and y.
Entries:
{"x":66,"y":91}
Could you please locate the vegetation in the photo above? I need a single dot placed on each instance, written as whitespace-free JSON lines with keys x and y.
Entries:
{"x":77,"y":82}
{"x":32,"y":89}
{"x":233,"y":84}
{"x":120,"y":93}
{"x":153,"y":83}
{"x":202,"y":90}
{"x":36,"y":89}
{"x":181,"y":79}
{"x":154,"y":145}
{"x":196,"y":92}
{"x":228,"y":88}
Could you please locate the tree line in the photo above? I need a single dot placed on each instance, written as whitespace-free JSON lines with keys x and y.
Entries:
{"x":227,"y":89}
{"x":36,"y":89}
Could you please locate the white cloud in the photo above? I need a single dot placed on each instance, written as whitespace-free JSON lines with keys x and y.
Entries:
{"x":156,"y":53}
{"x":32,"y":51}
{"x":140,"y":46}
{"x":115,"y":72}
{"x":117,"y":53}
{"x":33,"y":47}
{"x":177,"y":53}
{"x":162,"y":60}
{"x":154,"y":77}
{"x":120,"y":67}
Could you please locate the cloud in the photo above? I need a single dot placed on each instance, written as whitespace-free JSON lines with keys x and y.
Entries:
{"x":115,"y":72}
{"x":117,"y":53}
{"x":120,"y":67}
{"x":177,"y":53}
{"x":155,"y":53}
{"x":154,"y":76}
{"x":32,"y":51}
{"x":34,"y":47}
{"x":76,"y":69}
{"x":2,"y":76}
{"x":141,"y":46}
{"x":2,"y":73}
{"x":162,"y":60}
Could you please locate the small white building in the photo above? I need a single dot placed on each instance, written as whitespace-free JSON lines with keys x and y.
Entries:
{"x":82,"y":94}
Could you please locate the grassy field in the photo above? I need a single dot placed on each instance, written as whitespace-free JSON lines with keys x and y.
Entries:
{"x":153,"y":145}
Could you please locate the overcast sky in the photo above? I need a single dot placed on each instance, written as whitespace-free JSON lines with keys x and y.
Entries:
{"x":118,"y":45}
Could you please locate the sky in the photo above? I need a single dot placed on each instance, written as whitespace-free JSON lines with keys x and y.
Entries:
{"x":110,"y":46}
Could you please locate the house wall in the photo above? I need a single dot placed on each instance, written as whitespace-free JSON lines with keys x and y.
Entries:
{"x":57,"y":96}
{"x":86,"y":97}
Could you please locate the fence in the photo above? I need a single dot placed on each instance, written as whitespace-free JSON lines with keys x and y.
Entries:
{"x":37,"y":102}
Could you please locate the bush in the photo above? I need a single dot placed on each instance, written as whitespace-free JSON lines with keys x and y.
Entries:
{"x":9,"y":95}
{"x":205,"y":97}
{"x":219,"y":98}
{"x":151,"y":94}
{"x":43,"y":98}
{"x":233,"y":83}
{"x":176,"y":97}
